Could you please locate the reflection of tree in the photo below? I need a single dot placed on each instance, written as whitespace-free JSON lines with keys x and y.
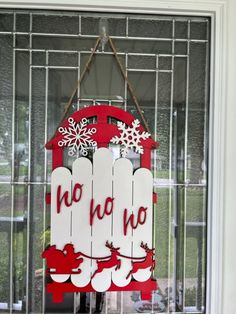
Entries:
{"x":5,"y":135}
{"x":22,"y":122}
{"x":6,"y":97}
{"x":21,"y":137}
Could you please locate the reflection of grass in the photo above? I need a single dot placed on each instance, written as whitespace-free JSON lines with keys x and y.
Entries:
{"x":6,"y":189}
{"x":20,"y":199}
{"x":20,"y":245}
{"x":194,"y":211}
{"x":163,"y":174}
{"x":5,"y":263}
{"x":19,"y":266}
{"x":6,"y":170}
{"x":161,"y":233}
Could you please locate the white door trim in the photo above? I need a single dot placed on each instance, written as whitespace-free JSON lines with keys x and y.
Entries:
{"x":217,"y":10}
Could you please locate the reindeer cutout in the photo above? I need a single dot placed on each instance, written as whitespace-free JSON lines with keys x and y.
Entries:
{"x":63,"y":262}
{"x":109,"y":263}
{"x":147,"y":262}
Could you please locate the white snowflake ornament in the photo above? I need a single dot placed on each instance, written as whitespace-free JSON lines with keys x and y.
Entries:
{"x":77,"y":137}
{"x":130,"y":137}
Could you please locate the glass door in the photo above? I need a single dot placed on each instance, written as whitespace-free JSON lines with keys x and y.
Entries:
{"x":166,"y":58}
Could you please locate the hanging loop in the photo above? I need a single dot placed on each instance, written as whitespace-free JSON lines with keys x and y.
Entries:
{"x":103,"y":31}
{"x":101,"y":39}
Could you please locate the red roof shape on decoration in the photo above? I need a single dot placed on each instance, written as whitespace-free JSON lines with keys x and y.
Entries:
{"x":105,"y":129}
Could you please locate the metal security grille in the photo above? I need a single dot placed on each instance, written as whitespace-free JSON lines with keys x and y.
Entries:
{"x":42,"y":54}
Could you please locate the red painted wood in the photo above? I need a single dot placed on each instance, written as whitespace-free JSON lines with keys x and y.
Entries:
{"x":146,"y":296}
{"x":145,"y":161}
{"x":58,"y":289}
{"x":62,"y":261}
{"x":154,"y":198}
{"x":57,"y":157}
{"x":48,"y":198}
{"x":105,"y":131}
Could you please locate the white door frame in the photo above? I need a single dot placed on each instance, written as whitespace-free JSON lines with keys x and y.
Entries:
{"x":217,"y":10}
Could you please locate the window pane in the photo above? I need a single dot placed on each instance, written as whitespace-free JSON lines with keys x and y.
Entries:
{"x":22,"y":117}
{"x":6,"y":88}
{"x":166,"y":61}
{"x":5,"y":244}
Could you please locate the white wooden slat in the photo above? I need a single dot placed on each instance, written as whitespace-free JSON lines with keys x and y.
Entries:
{"x":101,"y":229}
{"x":143,"y":194}
{"x":60,"y":223}
{"x":122,"y":183}
{"x":59,"y":234}
{"x":81,"y":229}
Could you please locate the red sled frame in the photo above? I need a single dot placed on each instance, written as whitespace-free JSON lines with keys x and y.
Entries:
{"x":105,"y":132}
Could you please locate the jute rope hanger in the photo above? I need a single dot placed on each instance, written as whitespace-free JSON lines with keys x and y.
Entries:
{"x":87,"y":68}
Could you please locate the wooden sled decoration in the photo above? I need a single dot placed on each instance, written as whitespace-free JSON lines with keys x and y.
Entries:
{"x":102,"y":209}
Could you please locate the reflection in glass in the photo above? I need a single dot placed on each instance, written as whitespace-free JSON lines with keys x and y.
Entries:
{"x":170,"y":80}
{"x":5,"y":243}
{"x":21,"y":159}
{"x":6,"y":86}
{"x":38,"y":125}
